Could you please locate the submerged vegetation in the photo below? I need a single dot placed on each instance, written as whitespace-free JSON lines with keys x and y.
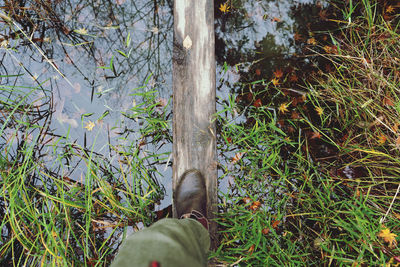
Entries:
{"x":308,"y":141}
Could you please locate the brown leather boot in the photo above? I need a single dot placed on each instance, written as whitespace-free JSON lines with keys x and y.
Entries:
{"x":191,"y":197}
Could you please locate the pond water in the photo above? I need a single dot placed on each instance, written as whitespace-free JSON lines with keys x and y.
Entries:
{"x":100,"y":51}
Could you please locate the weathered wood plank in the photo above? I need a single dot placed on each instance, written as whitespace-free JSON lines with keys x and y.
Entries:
{"x":194,"y":95}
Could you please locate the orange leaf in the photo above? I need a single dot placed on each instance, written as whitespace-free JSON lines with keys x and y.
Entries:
{"x":388,"y":101}
{"x":283,"y":108}
{"x":312,"y":41}
{"x":319,"y":110}
{"x":275,"y":19}
{"x":382,"y":139}
{"x":237,"y":157}
{"x":255,"y":205}
{"x":398,"y":142}
{"x":275,"y":81}
{"x":293,"y":78}
{"x":389,"y":9}
{"x":315,"y":135}
{"x":257,"y":103}
{"x":297,"y":36}
{"x":251,"y":249}
{"x":275,"y":224}
{"x":258,"y":72}
{"x":278,"y":73}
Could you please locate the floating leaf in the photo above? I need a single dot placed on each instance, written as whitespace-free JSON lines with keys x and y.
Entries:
{"x":82,"y":31}
{"x":224,"y":7}
{"x":89,"y":126}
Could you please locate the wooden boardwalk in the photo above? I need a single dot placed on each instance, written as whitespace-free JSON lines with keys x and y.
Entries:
{"x":194,"y":136}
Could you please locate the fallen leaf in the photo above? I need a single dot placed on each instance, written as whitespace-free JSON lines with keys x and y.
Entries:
{"x":389,"y":9}
{"x":275,"y":81}
{"x":311,"y":41}
{"x":258,"y":72}
{"x":255,"y":205}
{"x":251,"y":249}
{"x":297,"y":36}
{"x":315,"y":135}
{"x":323,"y":14}
{"x":293,"y":78}
{"x":224,"y":7}
{"x":246,"y":200}
{"x":388,"y":101}
{"x":283,"y":108}
{"x":388,"y":237}
{"x":82,"y":31}
{"x":295,"y":115}
{"x":382,"y":139}
{"x":275,"y":19}
{"x":257,"y":103}
{"x":398,"y":142}
{"x":395,"y":127}
{"x":275,"y":224}
{"x":237,"y":157}
{"x":278,"y":73}
{"x":319,"y":110}
{"x":89,"y":126}
{"x":187,"y":43}
{"x":327,"y":49}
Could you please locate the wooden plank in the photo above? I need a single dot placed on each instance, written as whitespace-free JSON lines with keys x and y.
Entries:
{"x":194,"y":140}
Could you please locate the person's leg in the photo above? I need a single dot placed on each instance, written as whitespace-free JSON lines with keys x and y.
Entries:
{"x":173,"y":242}
{"x":170,"y":242}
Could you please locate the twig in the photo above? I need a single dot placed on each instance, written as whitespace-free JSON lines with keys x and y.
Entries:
{"x":391,"y":204}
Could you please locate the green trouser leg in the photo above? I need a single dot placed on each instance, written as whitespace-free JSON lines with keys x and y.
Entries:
{"x":171,"y":242}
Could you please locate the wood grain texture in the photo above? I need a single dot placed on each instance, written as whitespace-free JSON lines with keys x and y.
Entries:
{"x":194,"y":140}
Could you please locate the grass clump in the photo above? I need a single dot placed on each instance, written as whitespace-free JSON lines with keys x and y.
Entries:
{"x":63,"y":204}
{"x":287,"y":204}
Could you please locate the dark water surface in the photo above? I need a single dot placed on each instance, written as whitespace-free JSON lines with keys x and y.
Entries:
{"x":106,"y":49}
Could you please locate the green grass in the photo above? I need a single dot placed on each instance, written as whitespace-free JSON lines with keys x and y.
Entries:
{"x":49,"y":218}
{"x":284,"y":205}
{"x":325,"y":216}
